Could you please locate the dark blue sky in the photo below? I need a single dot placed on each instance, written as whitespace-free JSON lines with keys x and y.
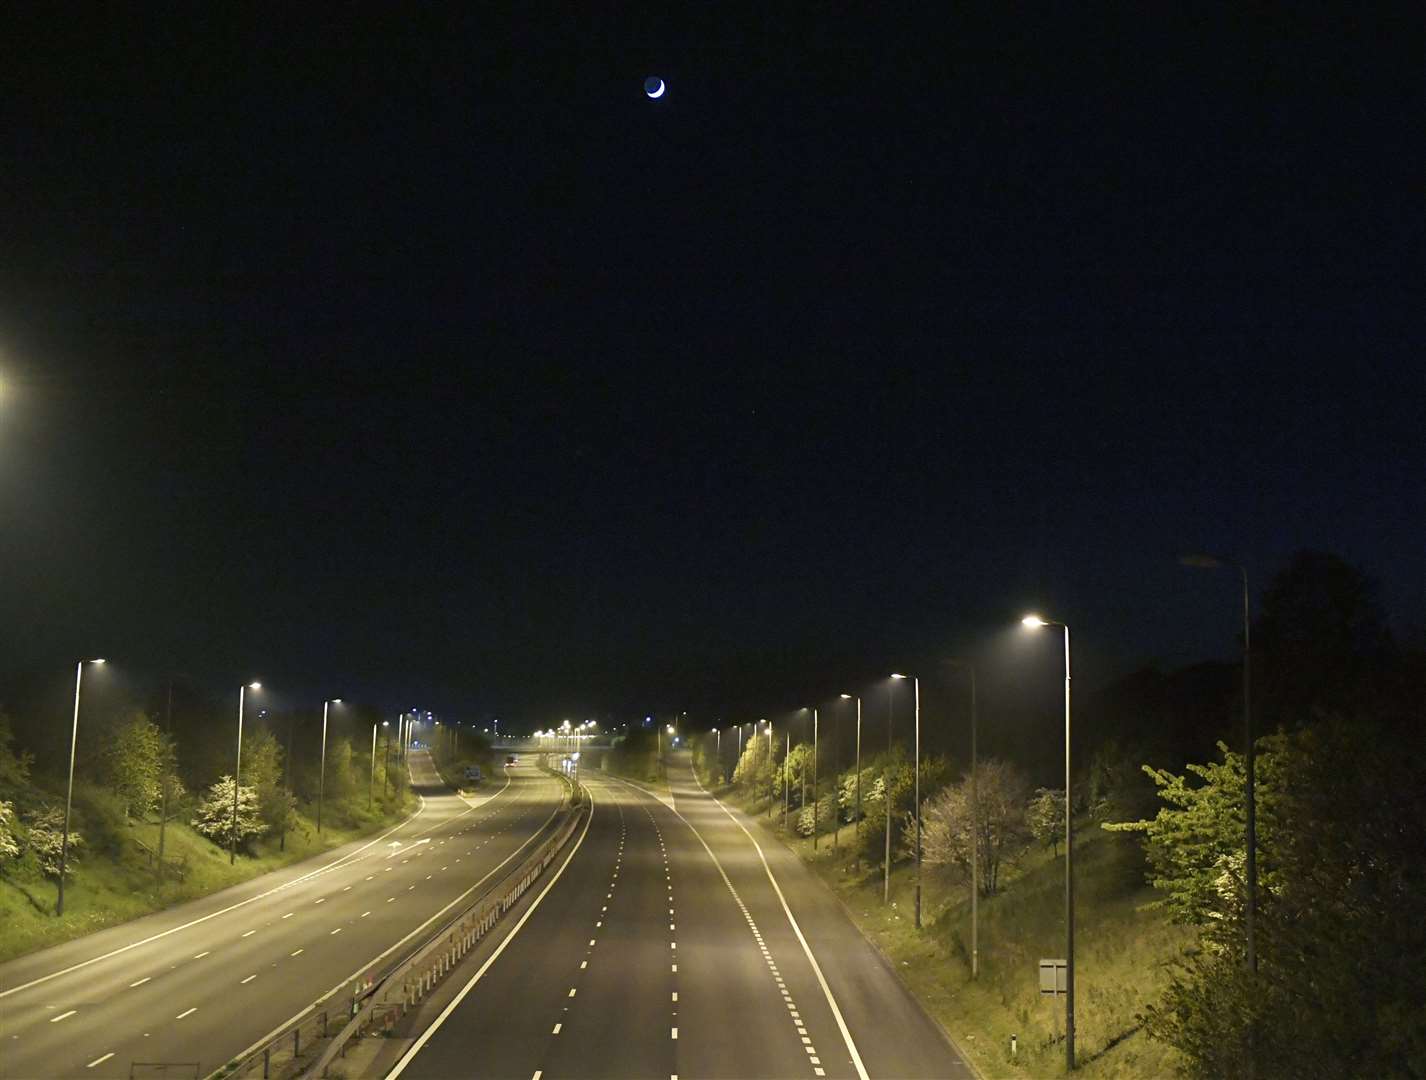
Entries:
{"x":387,"y":358}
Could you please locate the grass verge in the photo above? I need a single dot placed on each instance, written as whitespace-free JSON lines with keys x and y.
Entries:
{"x":118,"y":882}
{"x":1121,"y":951}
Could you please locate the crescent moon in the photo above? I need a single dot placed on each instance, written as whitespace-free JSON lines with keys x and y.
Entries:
{"x":659,"y":92}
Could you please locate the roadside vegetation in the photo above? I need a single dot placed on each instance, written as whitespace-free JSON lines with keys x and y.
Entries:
{"x":1163,"y":986}
{"x":136,"y":797}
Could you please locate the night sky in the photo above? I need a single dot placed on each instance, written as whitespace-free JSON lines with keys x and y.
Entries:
{"x":386,"y":358}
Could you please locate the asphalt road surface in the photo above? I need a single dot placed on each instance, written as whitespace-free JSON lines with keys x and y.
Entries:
{"x":671,"y":944}
{"x":204,"y":981}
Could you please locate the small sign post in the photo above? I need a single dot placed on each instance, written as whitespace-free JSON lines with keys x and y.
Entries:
{"x":1052,"y":977}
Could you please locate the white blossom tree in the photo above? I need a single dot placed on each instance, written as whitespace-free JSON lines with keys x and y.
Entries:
{"x":215,"y":813}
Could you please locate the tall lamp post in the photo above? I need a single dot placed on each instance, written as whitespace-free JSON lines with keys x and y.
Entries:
{"x":371,"y":780}
{"x":815,"y":798}
{"x":886,"y":796}
{"x":386,"y":757}
{"x":322,"y":769}
{"x":772,"y":783}
{"x":237,"y":773}
{"x":1214,"y":562}
{"x":1035,"y":622}
{"x":69,"y":794}
{"x":916,"y":784}
{"x":848,"y":697}
{"x":975,"y":829}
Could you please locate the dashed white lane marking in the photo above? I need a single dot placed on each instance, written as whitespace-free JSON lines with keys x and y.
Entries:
{"x":538,"y":1073}
{"x":571,"y":991}
{"x":364,"y":914}
{"x":320,"y":900}
{"x":370,"y":876}
{"x":338,"y":930}
{"x":249,"y":979}
{"x":675,"y":995}
{"x":675,"y":1033}
{"x":250,"y":933}
{"x":792,"y":921}
{"x":186,"y":1012}
{"x":556,"y":1031}
{"x":297,"y":953}
{"x":200,"y":956}
{"x":583,"y":964}
{"x":100,"y":1060}
{"x":141,"y":982}
{"x":63,"y":1016}
{"x":289,"y":914}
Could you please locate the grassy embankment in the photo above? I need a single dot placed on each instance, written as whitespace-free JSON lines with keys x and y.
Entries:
{"x":1120,"y":951}
{"x":115,"y":880}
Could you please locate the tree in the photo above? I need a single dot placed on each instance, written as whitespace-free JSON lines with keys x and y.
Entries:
{"x":1340,"y":980}
{"x":949,"y":825}
{"x":1319,"y":635}
{"x":136,"y":760}
{"x":262,"y":769}
{"x":1046,"y":817}
{"x":14,"y":767}
{"x":9,"y":833}
{"x":44,"y":836}
{"x":754,"y":771}
{"x":214,"y":815}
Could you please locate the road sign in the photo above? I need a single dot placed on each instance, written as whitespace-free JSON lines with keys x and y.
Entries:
{"x":1052,"y":976}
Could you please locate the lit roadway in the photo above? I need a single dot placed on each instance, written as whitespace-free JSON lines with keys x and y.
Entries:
{"x":670,"y":944}
{"x":204,"y":981}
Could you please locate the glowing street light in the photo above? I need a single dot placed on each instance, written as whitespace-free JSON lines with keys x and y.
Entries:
{"x":916,"y":784}
{"x":322,"y":770}
{"x":1035,"y":622}
{"x":237,"y":771}
{"x":69,"y":794}
{"x":857,"y":698}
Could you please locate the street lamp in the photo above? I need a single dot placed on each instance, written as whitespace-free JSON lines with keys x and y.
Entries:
{"x":1215,"y":562}
{"x":814,"y":780}
{"x":322,"y":769}
{"x":1034,"y":622}
{"x":975,"y":828}
{"x":237,"y":773}
{"x":772,"y":776}
{"x":916,"y":785}
{"x":849,"y":697}
{"x":386,"y":757}
{"x":69,"y":795}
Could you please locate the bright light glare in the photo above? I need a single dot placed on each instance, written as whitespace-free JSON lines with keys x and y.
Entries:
{"x":100,"y":660}
{"x":894,"y":675}
{"x":845,"y":697}
{"x":254,"y":686}
{"x":670,"y":729}
{"x":1033,"y":620}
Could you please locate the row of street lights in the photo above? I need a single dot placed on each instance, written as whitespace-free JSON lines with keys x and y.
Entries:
{"x":1029,"y":622}
{"x":1036,"y":622}
{"x":405,"y":725}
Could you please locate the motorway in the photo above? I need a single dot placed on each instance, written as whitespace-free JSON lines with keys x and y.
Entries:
{"x":672,"y":943}
{"x":204,"y":981}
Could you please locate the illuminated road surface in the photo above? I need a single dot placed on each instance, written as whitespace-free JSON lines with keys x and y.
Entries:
{"x":644,"y":960}
{"x":227,"y":970}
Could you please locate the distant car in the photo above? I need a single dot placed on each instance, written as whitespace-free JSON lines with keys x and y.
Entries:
{"x":512,"y":759}
{"x":472,"y":772}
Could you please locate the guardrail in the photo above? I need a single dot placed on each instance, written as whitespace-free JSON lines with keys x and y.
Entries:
{"x":376,"y":1004}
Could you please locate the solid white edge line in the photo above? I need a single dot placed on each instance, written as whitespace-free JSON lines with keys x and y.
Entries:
{"x":807,"y":949}
{"x":233,"y":907}
{"x":445,"y":1013}
{"x":297,"y":1016}
{"x":792,"y":921}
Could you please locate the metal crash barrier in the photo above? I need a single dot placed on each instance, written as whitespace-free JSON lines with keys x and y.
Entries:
{"x":374,"y":1005}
